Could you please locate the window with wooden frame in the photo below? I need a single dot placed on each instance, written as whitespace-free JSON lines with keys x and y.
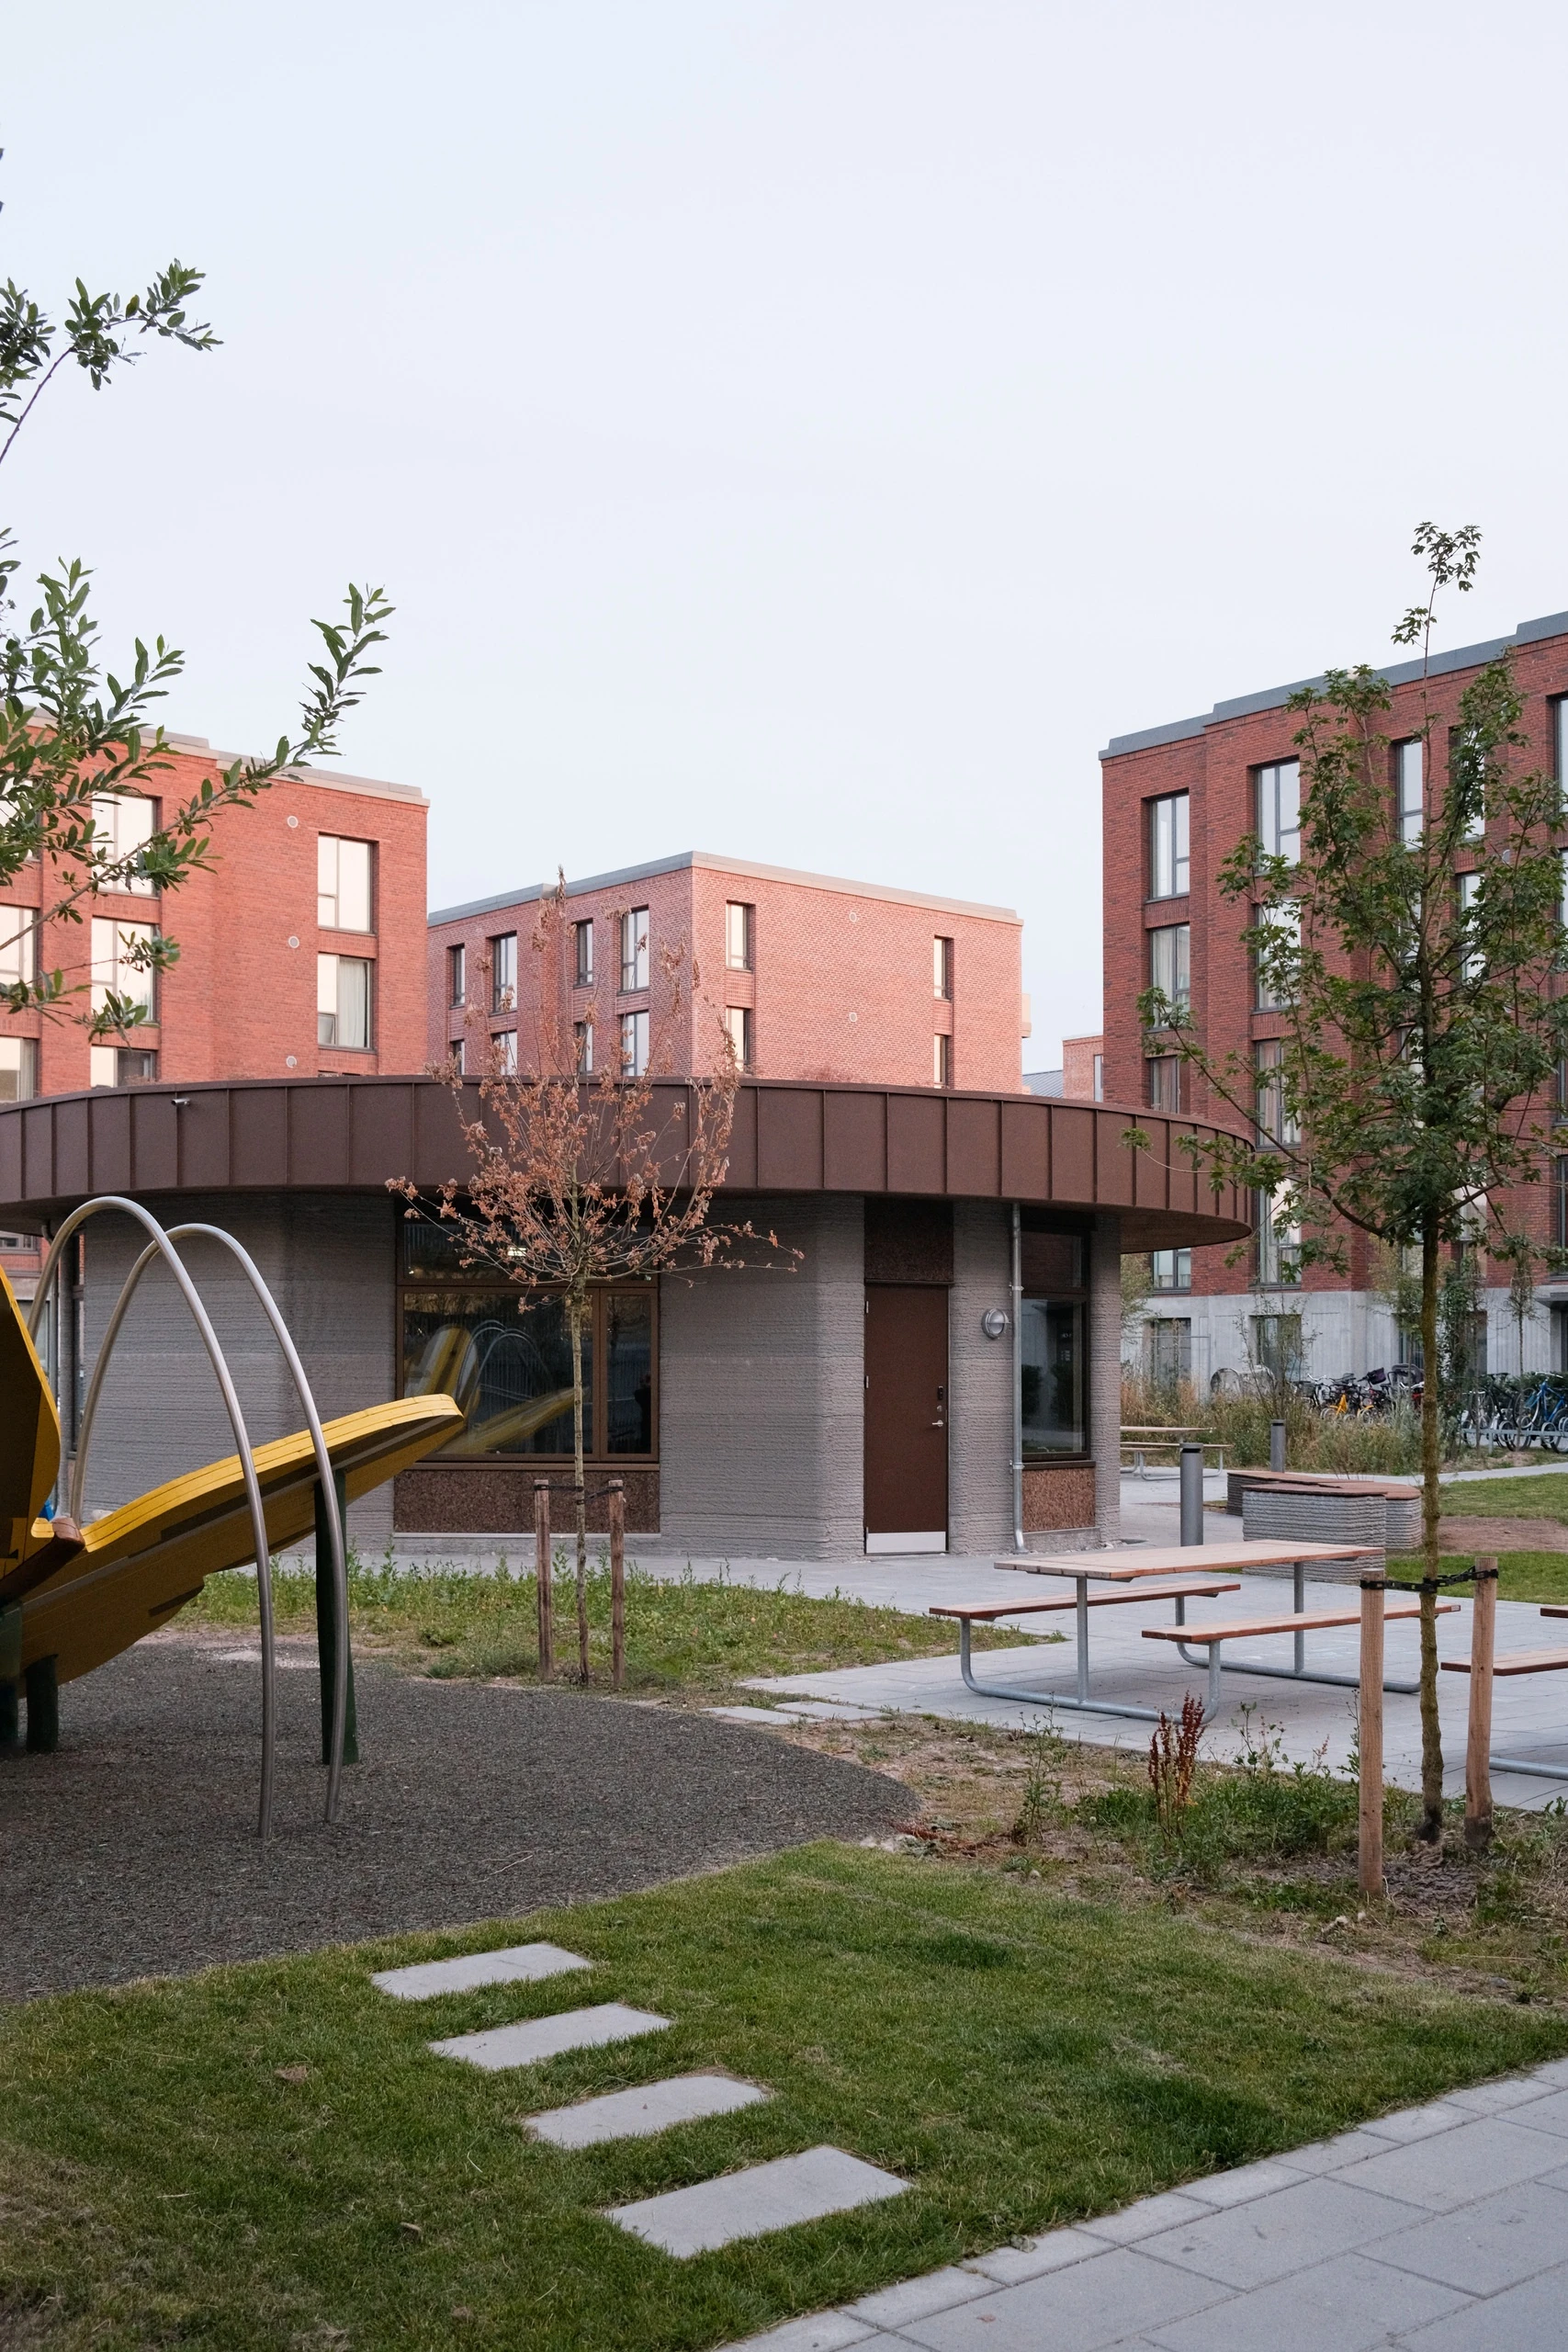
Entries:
{"x":505,"y":1356}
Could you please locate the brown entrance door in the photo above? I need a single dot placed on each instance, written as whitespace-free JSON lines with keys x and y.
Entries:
{"x":906,"y":1417}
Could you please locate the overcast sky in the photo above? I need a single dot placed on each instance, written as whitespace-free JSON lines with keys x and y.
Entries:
{"x":800,"y":431}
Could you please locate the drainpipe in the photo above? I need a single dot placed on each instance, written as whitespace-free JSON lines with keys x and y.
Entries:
{"x":1018,"y":1543}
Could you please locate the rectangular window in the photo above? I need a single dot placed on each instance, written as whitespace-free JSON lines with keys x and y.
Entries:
{"x":1559,"y":745}
{"x":18,"y":1070}
{"x":1052,"y":1362}
{"x":737,"y":1019}
{"x":634,"y":950}
{"x":1472,"y":965}
{"x":941,"y":1061}
{"x":457,"y":975}
{"x":634,"y":1043}
{"x":1170,"y":1351}
{"x":342,"y":1002}
{"x":120,"y":1065}
{"x":504,"y":972}
{"x":739,"y":926}
{"x":1273,"y":1126}
{"x":1273,"y":965}
{"x":342,"y":884}
{"x":1171,"y":963}
{"x":1277,"y":1345}
{"x":941,"y":969}
{"x":1170,"y":1270}
{"x":1279,"y":1242}
{"x":582,"y":1041}
{"x":1279,"y":809}
{"x":1475,"y":823}
{"x":1169,"y":868}
{"x":1099,"y":1078}
{"x":115,"y":971}
{"x":583,"y":966}
{"x":19,"y":946}
{"x":503,"y":1051}
{"x":508,"y":1363}
{"x":1410,"y":790}
{"x":1559,"y":1202}
{"x":1164,"y":1082}
{"x":123,"y":823}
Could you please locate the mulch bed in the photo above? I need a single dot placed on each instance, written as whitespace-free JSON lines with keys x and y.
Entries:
{"x":132,"y":1851}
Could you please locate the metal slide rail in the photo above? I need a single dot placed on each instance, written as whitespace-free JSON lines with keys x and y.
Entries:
{"x":161,"y":1247}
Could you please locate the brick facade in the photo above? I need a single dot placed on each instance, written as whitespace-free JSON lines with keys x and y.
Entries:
{"x":842,"y":986}
{"x":1215,"y":760}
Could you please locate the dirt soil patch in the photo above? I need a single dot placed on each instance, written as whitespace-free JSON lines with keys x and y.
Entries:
{"x":1487,"y":1537}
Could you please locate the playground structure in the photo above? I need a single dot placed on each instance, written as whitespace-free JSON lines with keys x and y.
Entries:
{"x":74,"y":1597}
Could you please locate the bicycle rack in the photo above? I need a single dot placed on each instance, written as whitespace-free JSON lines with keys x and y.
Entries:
{"x":161,"y":1248}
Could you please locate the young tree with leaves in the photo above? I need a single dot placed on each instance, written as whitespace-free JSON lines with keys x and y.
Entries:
{"x":575,"y":1179}
{"x":1423,"y":1016}
{"x":73,"y":733}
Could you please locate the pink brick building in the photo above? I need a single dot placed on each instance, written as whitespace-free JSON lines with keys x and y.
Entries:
{"x":815,"y":978}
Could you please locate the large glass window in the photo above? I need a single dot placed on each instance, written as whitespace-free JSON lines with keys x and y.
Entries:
{"x":506,"y":1359}
{"x":123,"y":823}
{"x":1410,"y":790}
{"x":739,"y":923}
{"x":1051,"y":1347}
{"x":117,"y":947}
{"x":634,"y":950}
{"x":1170,"y":1269}
{"x":18,"y":945}
{"x":504,"y":972}
{"x":1169,"y":866}
{"x":1171,"y":963}
{"x":342,"y":884}
{"x":1272,"y":965}
{"x":18,"y":1070}
{"x":342,"y":1002}
{"x":1279,"y":809}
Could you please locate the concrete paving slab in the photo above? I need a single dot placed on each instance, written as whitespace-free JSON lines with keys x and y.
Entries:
{"x":1454,"y":2167}
{"x":827,"y":2332}
{"x":1117,"y":2294}
{"x":517,"y":1964}
{"x":1009,"y":2265}
{"x":754,"y":2203}
{"x":1485,"y":2247}
{"x":1146,"y":2219}
{"x":939,"y":2290}
{"x":765,"y":1718}
{"x":524,"y":2045}
{"x":1341,"y":2306}
{"x":1522,"y":2319}
{"x":1495,"y":2098}
{"x":1332,"y":2155}
{"x":1414,"y":2122}
{"x":1251,"y":2244}
{"x":1245,"y":2182}
{"x":639,"y":2114}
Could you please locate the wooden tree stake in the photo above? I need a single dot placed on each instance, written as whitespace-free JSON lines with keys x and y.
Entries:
{"x":618,"y":1581}
{"x":542,"y":1574}
{"x":1477,"y":1756}
{"x":1370,"y":1740}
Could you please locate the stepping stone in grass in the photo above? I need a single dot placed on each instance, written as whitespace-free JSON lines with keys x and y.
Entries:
{"x":639,"y":2114}
{"x":748,"y":2204}
{"x":524,"y":2045}
{"x":769,"y":1718}
{"x":519,"y":1963}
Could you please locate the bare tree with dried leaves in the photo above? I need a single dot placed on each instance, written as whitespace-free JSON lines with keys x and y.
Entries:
{"x":579,"y":1177}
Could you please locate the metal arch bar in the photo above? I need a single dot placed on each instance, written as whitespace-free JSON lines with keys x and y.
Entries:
{"x":1082,"y":1705}
{"x":329,"y":1488}
{"x":161,"y":1246}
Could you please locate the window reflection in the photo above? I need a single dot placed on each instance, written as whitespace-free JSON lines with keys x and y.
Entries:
{"x":509,"y":1370}
{"x":629,"y":1348}
{"x":1052,"y":1335}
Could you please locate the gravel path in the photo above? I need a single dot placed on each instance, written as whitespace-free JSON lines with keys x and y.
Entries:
{"x":131,"y":1851}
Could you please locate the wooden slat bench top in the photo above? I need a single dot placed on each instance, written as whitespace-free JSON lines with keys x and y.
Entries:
{"x":1553,"y":1609}
{"x":982,"y":1611}
{"x":1517,"y":1661}
{"x":1249,"y":1628}
{"x":1178,"y":1559}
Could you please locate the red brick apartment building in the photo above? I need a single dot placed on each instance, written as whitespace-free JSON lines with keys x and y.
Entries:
{"x":813,"y":978}
{"x":1177,"y":800}
{"x":297,"y":953}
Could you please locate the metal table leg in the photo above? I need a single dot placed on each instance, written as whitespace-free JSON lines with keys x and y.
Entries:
{"x":1298,"y":1672}
{"x":1016,"y":1697}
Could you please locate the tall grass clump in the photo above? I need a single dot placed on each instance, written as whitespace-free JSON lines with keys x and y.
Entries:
{"x":1314,"y":1439}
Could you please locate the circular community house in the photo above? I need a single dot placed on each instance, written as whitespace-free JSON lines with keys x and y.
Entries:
{"x":940,"y":1371}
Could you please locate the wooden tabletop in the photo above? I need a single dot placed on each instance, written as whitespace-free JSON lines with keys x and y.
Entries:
{"x":1171,"y":1559}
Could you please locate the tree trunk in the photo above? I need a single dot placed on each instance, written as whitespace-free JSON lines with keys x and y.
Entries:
{"x":574,"y":1317}
{"x":1431,"y":1730}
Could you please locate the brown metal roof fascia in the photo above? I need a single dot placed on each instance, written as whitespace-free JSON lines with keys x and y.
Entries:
{"x":352,"y":1134}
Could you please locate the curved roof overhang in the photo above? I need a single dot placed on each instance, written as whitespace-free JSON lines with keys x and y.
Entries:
{"x":352,"y":1134}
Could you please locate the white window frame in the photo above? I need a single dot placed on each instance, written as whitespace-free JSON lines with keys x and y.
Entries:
{"x":1410,"y":789}
{"x":739,"y":926}
{"x":1170,"y":845}
{"x":634,"y":1045}
{"x":129,"y":819}
{"x":330,"y":986}
{"x":18,"y":1065}
{"x":332,"y":887}
{"x":634,"y":944}
{"x":138,"y":984}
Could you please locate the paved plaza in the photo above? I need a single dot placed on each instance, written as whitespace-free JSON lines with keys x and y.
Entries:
{"x":1441,"y":2229}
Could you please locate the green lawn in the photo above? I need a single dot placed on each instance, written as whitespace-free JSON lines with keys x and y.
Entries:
{"x":1021,"y":2058}
{"x":702,"y":1638}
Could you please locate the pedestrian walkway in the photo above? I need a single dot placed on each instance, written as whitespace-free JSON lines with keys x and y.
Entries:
{"x":1441,"y":2229}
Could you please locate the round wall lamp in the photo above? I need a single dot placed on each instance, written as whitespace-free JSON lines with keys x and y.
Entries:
{"x":996,"y":1322}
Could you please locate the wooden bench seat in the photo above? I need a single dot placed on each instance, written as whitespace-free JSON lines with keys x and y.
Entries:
{"x":1249,"y":1628}
{"x":1121,"y":1596}
{"x":1516,"y":1661}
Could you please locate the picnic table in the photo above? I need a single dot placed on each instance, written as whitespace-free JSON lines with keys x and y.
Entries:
{"x":1139,"y":1439}
{"x":1206,"y":1570}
